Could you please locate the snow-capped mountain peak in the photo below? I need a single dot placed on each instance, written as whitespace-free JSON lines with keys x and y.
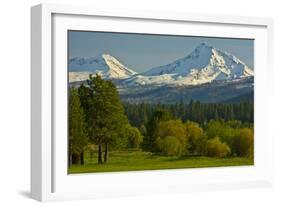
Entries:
{"x":103,"y":64}
{"x":204,"y":64}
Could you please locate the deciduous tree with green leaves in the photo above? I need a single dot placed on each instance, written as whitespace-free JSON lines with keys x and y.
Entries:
{"x":134,"y":137}
{"x":149,"y":142}
{"x":243,"y":143}
{"x":215,"y":148}
{"x":174,"y":130}
{"x":196,"y":137}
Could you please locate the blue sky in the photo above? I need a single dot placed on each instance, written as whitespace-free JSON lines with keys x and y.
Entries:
{"x":142,"y":52}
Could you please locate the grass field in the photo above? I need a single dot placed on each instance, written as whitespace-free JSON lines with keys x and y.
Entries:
{"x":138,"y":160}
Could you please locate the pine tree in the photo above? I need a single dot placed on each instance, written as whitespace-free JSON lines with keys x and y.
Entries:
{"x":78,"y":139}
{"x":106,"y":117}
{"x":150,"y":138}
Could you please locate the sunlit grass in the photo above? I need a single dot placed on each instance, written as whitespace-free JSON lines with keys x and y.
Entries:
{"x":138,"y":160}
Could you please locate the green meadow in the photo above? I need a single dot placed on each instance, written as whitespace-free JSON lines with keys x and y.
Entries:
{"x":138,"y":160}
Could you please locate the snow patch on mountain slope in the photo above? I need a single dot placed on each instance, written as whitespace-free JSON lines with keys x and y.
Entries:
{"x":105,"y":65}
{"x":78,"y":76}
{"x":205,"y":64}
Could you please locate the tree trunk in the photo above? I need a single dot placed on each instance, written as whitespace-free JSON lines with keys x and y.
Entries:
{"x":82,"y":158}
{"x":105,"y":152}
{"x":91,"y":155}
{"x":75,"y":158}
{"x":69,"y":159}
{"x":69,"y":156}
{"x":99,"y":154}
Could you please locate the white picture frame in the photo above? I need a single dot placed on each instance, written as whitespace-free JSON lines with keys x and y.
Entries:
{"x":49,"y":178}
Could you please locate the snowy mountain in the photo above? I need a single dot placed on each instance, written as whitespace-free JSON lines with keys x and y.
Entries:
{"x":205,"y":64}
{"x":207,"y":74}
{"x":105,"y":65}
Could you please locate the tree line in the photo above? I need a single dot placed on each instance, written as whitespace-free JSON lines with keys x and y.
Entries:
{"x":139,"y":114}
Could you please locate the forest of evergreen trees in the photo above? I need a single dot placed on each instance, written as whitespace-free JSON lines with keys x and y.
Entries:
{"x":139,"y":114}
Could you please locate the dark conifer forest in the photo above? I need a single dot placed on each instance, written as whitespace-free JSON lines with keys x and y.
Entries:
{"x":202,"y":113}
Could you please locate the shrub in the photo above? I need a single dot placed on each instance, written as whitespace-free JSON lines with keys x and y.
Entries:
{"x":173,"y":128}
{"x":214,"y":128}
{"x":169,"y":146}
{"x":195,"y":136}
{"x":234,"y":123}
{"x":226,"y":131}
{"x":215,"y":148}
{"x":134,"y":137}
{"x":243,"y":143}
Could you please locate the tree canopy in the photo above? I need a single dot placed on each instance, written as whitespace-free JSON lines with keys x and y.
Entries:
{"x":105,"y":113}
{"x":78,"y":138}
